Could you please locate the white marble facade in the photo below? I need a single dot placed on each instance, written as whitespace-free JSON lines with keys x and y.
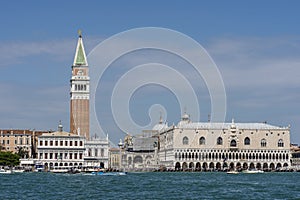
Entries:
{"x":219,"y":146}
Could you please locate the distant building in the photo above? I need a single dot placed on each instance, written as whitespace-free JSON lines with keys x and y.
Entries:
{"x":16,"y":140}
{"x":218,"y":146}
{"x":205,"y":146}
{"x":96,"y":153}
{"x":295,"y":159}
{"x":61,"y":150}
{"x":139,"y":153}
{"x":114,"y":158}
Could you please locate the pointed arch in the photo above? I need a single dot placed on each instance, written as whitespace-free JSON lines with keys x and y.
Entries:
{"x":185,"y":140}
{"x":247,"y":141}
{"x":202,"y":140}
{"x":219,"y":141}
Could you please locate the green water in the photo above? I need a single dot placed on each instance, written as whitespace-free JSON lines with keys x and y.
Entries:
{"x":151,"y":186}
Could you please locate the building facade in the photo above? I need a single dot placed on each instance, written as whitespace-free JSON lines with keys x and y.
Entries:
{"x":18,"y":141}
{"x":80,"y":93}
{"x":61,"y":150}
{"x":138,"y":153}
{"x":96,"y":153}
{"x":295,"y":160}
{"x":114,"y":158}
{"x":221,"y":146}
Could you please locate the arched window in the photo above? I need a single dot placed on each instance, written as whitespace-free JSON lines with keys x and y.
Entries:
{"x":202,"y":141}
{"x":219,"y":141}
{"x":185,"y":141}
{"x":233,"y":143}
{"x":263,"y":143}
{"x":89,"y":152}
{"x":247,"y":141}
{"x":280,"y":143}
{"x":138,"y":159}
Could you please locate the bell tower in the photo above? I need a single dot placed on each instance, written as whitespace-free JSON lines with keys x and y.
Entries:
{"x":80,"y":92}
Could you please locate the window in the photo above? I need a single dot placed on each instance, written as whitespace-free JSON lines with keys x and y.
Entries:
{"x":71,"y":143}
{"x":280,"y":143}
{"x":56,"y":143}
{"x":247,"y":141}
{"x":80,"y":143}
{"x":46,"y":143}
{"x":89,"y":153}
{"x":51,"y":143}
{"x":61,"y":143}
{"x":76,"y":143}
{"x":233,"y":143}
{"x":219,"y":141}
{"x":51,"y":156}
{"x":21,"y":141}
{"x":96,"y":152}
{"x":66,"y":143}
{"x":41,"y":155}
{"x":75,"y":155}
{"x":71,"y":156}
{"x":46,"y":155}
{"x":202,"y":141}
{"x":27,"y":141}
{"x":185,"y":141}
{"x":263,"y":143}
{"x":41,"y":142}
{"x":15,"y":141}
{"x":7,"y":142}
{"x":80,"y":155}
{"x":102,"y":152}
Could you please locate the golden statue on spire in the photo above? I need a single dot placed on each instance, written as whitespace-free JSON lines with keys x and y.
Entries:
{"x":79,"y":33}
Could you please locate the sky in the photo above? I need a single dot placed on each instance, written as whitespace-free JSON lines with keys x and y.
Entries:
{"x":254,"y":44}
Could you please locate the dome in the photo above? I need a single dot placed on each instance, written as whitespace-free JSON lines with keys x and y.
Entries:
{"x":185,"y":117}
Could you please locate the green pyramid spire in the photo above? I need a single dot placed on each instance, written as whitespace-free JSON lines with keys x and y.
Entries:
{"x":80,"y":57}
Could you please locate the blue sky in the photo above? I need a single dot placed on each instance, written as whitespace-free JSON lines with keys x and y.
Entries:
{"x":255,"y":44}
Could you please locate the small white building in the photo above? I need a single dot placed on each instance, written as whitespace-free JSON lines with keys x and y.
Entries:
{"x":61,"y":150}
{"x":96,"y":153}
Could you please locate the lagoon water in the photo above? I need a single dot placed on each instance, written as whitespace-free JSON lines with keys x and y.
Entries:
{"x":157,"y":185}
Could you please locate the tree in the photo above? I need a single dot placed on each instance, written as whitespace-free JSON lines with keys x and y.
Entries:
{"x":9,"y":159}
{"x":23,"y":153}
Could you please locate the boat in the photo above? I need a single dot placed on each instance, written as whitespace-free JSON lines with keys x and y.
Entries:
{"x":252,"y":171}
{"x":101,"y":173}
{"x":18,"y":170}
{"x":233,"y":172}
{"x":3,"y":171}
{"x":59,"y":170}
{"x":39,"y":167}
